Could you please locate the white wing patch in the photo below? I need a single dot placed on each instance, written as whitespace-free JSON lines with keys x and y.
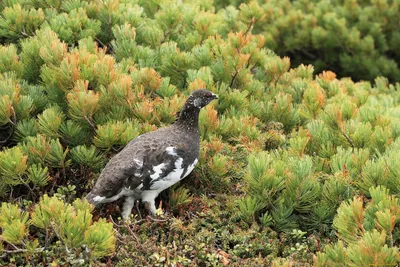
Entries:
{"x":139,"y":166}
{"x":178,"y":163}
{"x":157,"y":171}
{"x":171,"y":150}
{"x":190,"y":168}
{"x":172,"y":178}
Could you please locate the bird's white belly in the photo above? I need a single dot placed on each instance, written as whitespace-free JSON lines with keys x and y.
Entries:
{"x":158,"y":186}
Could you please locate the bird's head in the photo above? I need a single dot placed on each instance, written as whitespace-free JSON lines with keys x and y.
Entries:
{"x":200,"y":98}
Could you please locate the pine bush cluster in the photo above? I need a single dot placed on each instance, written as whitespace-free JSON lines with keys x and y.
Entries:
{"x":297,"y":166}
{"x":351,"y":38}
{"x":367,"y":234}
{"x":82,"y":239}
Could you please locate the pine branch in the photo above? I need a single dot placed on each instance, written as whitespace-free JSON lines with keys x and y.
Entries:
{"x":90,"y":121}
{"x":59,"y":236}
{"x":234,"y":78}
{"x":250,"y":27}
{"x":157,"y":220}
{"x":20,"y":250}
{"x":31,"y":191}
{"x":104,"y":46}
{"x":166,"y":35}
{"x":348,"y":139}
{"x":307,"y":53}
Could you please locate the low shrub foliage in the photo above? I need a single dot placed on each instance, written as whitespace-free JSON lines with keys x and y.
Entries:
{"x":297,"y":167}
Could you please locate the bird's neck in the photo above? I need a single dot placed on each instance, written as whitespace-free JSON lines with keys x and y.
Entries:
{"x":189,"y":118}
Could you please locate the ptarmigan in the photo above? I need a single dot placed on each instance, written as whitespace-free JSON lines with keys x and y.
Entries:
{"x":153,"y":161}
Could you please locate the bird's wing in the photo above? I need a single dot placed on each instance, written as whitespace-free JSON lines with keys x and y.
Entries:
{"x":155,"y":167}
{"x":136,"y":170}
{"x":115,"y":173}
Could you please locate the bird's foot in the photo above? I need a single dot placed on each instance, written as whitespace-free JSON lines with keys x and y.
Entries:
{"x":156,"y":214}
{"x":159,"y":212}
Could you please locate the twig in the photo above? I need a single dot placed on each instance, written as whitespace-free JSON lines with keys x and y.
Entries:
{"x":309,"y":54}
{"x":348,"y":139}
{"x":119,"y":236}
{"x":190,"y":214}
{"x":100,"y":42}
{"x":14,"y":246}
{"x":24,"y":34}
{"x":184,"y":79}
{"x":113,"y":222}
{"x":46,"y":238}
{"x":20,"y":250}
{"x":116,"y":149}
{"x":248,"y":62}
{"x":90,"y":121}
{"x":27,"y":186}
{"x":64,"y":173}
{"x":165,"y":36}
{"x":234,"y":78}
{"x":157,"y":220}
{"x":133,"y":234}
{"x":14,"y":116}
{"x":126,"y":224}
{"x":59,"y":237}
{"x":250,"y":27}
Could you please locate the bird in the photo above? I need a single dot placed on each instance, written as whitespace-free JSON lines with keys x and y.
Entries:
{"x":154,"y":161}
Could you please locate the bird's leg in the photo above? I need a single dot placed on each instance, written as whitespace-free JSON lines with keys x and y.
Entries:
{"x":148,"y":198}
{"x":127,"y":207}
{"x":151,"y":206}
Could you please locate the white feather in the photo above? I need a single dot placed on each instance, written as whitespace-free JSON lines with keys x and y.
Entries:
{"x":190,"y":168}
{"x":178,"y":163}
{"x":172,"y":178}
{"x":171,"y":151}
{"x":157,"y":171}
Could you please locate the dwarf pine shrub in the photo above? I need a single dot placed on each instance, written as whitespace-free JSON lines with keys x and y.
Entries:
{"x":367,"y":234}
{"x":323,"y":33}
{"x":72,"y":225}
{"x":288,"y":148}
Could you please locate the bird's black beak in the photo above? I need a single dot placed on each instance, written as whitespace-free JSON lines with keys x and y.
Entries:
{"x":215,"y":96}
